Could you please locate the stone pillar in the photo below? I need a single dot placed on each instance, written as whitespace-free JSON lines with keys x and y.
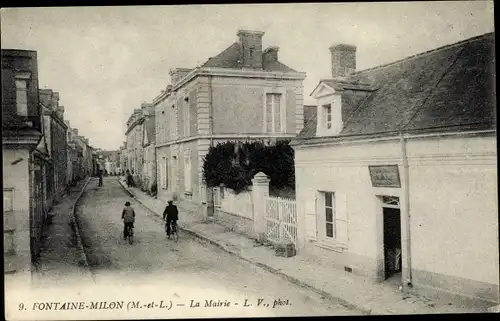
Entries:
{"x":260,"y":190}
{"x":209,"y":204}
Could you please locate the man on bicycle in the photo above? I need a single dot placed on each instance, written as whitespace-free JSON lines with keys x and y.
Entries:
{"x":128,"y":217}
{"x":171,"y":213}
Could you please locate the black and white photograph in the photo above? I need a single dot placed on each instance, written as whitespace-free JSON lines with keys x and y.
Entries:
{"x":249,"y":160}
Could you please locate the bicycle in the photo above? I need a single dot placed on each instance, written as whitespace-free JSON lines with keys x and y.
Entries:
{"x":173,"y":231}
{"x":130,"y":233}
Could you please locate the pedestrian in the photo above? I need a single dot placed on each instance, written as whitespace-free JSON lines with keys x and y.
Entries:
{"x":100,"y":178}
{"x":171,"y":214}
{"x":128,"y":217}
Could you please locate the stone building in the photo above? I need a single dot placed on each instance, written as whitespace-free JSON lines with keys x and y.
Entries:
{"x":242,"y":93}
{"x":396,"y":175}
{"x":23,"y":154}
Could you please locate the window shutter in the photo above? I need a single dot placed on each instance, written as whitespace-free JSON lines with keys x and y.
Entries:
{"x":310,"y":215}
{"x":341,"y":219}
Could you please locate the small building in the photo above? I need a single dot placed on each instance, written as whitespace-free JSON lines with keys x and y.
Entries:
{"x":396,"y":176}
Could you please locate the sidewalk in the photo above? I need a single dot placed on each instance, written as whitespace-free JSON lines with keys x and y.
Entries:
{"x":61,"y":258}
{"x":354,"y":292}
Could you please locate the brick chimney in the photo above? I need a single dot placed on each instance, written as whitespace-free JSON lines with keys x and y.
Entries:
{"x":270,"y":54}
{"x":251,"y":48}
{"x":343,"y":60}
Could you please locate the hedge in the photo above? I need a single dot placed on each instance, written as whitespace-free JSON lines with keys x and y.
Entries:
{"x":234,"y":164}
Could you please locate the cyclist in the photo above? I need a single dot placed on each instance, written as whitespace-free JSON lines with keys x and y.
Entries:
{"x":128,"y":217}
{"x":171,"y":214}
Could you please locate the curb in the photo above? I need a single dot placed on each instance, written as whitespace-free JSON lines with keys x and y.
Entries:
{"x":82,"y":261}
{"x":220,"y":245}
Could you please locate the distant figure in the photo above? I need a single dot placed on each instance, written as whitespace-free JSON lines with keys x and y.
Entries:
{"x":100,"y":178}
{"x":130,"y":180}
{"x":170,"y":214}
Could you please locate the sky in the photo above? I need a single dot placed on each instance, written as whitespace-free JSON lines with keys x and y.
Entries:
{"x":106,"y":61}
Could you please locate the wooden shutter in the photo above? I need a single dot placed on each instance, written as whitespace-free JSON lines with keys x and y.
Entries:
{"x":310,"y":215}
{"x":341,"y":218}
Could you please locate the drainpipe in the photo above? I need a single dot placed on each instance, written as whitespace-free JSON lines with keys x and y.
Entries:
{"x":211,"y":211}
{"x":406,"y":175}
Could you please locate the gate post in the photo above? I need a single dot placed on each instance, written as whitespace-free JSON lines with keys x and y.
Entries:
{"x":260,"y":191}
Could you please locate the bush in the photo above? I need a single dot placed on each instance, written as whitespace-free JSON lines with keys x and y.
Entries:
{"x":154,"y":189}
{"x":235,"y":164}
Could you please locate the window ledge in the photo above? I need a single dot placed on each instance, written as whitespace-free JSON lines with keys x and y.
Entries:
{"x":331,"y":245}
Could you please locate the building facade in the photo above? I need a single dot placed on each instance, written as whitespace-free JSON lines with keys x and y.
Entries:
{"x":396,"y":175}
{"x":149,"y":144}
{"x":135,"y":140}
{"x":56,"y":135}
{"x":22,"y":129}
{"x":244,"y":93}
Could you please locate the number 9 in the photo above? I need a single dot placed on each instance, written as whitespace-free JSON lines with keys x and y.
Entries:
{"x":21,"y":306}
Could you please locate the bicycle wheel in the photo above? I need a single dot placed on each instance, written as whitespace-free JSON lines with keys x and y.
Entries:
{"x":130,"y":236}
{"x":176,"y":233}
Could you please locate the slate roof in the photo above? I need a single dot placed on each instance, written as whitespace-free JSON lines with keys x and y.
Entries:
{"x":449,"y":88}
{"x":231,"y":57}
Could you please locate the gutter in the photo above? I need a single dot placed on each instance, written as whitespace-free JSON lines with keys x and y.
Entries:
{"x":406,"y":175}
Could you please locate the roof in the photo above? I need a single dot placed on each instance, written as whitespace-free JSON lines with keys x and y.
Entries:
{"x":449,"y":88}
{"x":231,"y":57}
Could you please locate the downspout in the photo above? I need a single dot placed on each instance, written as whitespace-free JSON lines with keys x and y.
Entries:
{"x":406,"y":175}
{"x":211,"y":211}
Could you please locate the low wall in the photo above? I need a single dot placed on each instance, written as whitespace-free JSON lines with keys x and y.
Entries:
{"x":235,"y":223}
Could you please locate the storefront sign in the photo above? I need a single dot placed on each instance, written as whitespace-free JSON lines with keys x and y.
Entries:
{"x":385,"y":176}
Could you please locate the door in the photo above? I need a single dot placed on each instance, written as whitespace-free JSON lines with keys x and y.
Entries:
{"x":392,"y":241}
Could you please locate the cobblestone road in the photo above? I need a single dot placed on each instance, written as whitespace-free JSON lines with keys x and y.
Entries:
{"x":187,"y":270}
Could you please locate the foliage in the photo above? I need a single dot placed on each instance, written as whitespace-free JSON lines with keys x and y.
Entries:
{"x":154,"y":189}
{"x":234,"y":164}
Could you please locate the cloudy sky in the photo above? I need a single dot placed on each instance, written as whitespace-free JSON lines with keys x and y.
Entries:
{"x":105,"y":61}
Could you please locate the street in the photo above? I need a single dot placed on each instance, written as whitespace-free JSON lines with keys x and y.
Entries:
{"x":189,"y":269}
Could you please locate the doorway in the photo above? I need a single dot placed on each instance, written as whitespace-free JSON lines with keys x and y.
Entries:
{"x":392,"y":239}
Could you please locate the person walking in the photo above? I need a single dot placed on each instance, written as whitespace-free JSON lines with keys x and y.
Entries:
{"x":171,"y":215}
{"x":100,"y":178}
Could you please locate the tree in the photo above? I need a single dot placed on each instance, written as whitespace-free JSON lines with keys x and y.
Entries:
{"x":234,"y":164}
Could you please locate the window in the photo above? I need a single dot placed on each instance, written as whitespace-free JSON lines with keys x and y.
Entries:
{"x":22,"y":97}
{"x":329,"y":214}
{"x":273,"y":113}
{"x":187,"y":171}
{"x":328,"y":116}
{"x":165,"y":175}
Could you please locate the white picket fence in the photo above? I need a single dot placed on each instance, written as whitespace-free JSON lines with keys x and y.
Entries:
{"x":281,"y":220}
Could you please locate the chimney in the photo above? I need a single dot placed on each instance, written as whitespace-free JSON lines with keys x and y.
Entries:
{"x":177,"y":74}
{"x":60,"y":112}
{"x":75,"y":130}
{"x":251,"y":48}
{"x":271,"y":54}
{"x":343,"y":60}
{"x":55,"y":102}
{"x":147,"y":109}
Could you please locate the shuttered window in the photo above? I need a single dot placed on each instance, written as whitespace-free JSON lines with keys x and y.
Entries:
{"x":332,"y":218}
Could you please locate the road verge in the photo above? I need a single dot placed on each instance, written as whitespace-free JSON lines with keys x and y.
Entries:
{"x":82,"y":256}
